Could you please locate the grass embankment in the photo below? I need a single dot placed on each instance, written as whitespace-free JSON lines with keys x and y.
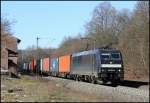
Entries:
{"x":33,"y":89}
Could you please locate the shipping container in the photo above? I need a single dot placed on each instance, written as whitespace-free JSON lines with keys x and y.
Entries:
{"x":41,"y":66}
{"x":38,"y":65}
{"x":27,"y":66}
{"x":24,"y":66}
{"x":64,"y":63}
{"x":30,"y":65}
{"x":33,"y":65}
{"x":46,"y":65}
{"x":54,"y":65}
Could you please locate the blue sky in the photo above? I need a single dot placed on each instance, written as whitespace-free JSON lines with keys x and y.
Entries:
{"x":51,"y":20}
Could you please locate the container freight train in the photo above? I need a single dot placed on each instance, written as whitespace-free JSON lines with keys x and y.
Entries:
{"x":94,"y":65}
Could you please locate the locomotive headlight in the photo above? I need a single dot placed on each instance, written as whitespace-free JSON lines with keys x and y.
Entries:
{"x":119,"y":70}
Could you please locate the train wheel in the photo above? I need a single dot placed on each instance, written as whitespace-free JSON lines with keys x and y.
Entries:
{"x":114,"y":82}
{"x":92,"y":80}
{"x":66,"y":76}
{"x":104,"y":81}
{"x":76,"y":77}
{"x":79,"y":78}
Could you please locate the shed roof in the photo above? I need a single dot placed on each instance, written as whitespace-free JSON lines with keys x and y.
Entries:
{"x":11,"y":51}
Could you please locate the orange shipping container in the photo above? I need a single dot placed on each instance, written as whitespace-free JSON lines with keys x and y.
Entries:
{"x":46,"y":64}
{"x":34,"y":64}
{"x":64,"y":63}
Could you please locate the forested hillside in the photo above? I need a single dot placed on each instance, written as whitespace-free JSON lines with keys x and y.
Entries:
{"x":125,"y":30}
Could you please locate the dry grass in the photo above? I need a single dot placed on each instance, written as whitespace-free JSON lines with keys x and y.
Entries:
{"x":39,"y":90}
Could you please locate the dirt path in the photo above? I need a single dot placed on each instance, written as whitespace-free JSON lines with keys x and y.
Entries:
{"x":33,"y":89}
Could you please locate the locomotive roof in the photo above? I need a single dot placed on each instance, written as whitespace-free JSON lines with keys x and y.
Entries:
{"x":112,"y":50}
{"x":85,"y":53}
{"x":92,"y":52}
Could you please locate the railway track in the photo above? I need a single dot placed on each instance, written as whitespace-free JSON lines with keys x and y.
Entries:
{"x":127,"y":91}
{"x":125,"y":83}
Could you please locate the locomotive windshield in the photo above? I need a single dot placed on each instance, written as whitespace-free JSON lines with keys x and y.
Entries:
{"x":108,"y":56}
{"x":115,"y":55}
{"x":105,"y":56}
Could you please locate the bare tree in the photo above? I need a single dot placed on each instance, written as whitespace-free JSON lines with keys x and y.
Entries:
{"x":102,"y":25}
{"x":134,"y":40}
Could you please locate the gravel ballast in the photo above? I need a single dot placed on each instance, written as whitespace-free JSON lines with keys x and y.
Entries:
{"x":119,"y":93}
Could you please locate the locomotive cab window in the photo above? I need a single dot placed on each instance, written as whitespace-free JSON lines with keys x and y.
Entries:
{"x":105,"y":56}
{"x":115,"y":55}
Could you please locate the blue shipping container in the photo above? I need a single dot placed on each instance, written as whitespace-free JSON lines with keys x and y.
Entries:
{"x":54,"y":65}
